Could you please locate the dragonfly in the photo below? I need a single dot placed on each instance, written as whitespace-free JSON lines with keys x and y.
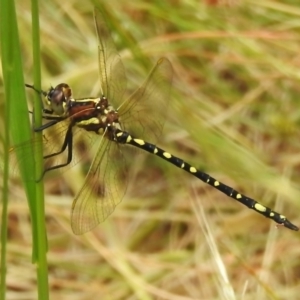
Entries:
{"x":119,"y":125}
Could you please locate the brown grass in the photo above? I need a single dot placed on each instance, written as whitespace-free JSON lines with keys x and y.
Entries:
{"x":234,"y":113}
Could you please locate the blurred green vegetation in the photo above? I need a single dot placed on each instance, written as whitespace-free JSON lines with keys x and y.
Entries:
{"x":234,"y":113}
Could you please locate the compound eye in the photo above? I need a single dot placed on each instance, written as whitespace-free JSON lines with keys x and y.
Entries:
{"x":57,"y":98}
{"x":61,"y":93}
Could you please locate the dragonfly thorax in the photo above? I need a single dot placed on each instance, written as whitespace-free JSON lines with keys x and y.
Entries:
{"x":95,"y":115}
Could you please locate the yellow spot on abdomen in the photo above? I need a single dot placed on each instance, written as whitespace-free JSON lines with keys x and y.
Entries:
{"x":167,"y":155}
{"x":238,"y":196}
{"x":155,"y":150}
{"x":260,"y":207}
{"x":216,"y":183}
{"x":129,"y":138}
{"x":193,"y":170}
{"x":140,"y":142}
{"x":182,"y":166}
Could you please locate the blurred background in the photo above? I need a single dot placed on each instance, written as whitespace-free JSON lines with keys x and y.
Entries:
{"x":234,"y":114}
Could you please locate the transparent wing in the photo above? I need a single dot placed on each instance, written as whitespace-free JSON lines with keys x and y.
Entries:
{"x":143,"y":114}
{"x":53,"y":139}
{"x":103,"y":189}
{"x":112,"y":72}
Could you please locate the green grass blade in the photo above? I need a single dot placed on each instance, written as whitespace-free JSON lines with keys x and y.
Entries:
{"x":20,"y":130}
{"x":4,"y":37}
{"x":14,"y":99}
{"x":4,"y":214}
{"x":39,"y":232}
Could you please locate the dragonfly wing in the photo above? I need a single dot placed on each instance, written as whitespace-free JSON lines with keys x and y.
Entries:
{"x":143,"y":113}
{"x":52,"y":142}
{"x":103,"y":189}
{"x":112,"y":72}
{"x":54,"y":138}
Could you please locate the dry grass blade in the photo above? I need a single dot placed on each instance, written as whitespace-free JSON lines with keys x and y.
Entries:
{"x":234,"y":114}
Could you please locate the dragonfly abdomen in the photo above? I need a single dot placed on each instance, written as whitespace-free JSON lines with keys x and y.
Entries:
{"x":125,"y":138}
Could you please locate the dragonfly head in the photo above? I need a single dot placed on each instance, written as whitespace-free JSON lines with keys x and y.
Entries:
{"x":57,"y":98}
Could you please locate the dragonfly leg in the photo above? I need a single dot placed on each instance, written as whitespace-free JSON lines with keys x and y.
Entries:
{"x":68,"y":143}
